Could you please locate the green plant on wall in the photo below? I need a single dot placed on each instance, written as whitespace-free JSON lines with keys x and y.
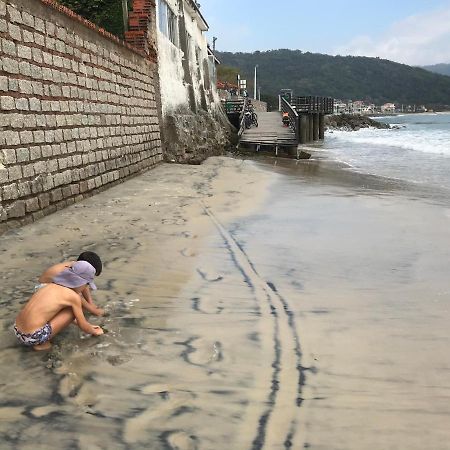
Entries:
{"x":107,"y":14}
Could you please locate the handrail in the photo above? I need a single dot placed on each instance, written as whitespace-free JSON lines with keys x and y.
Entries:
{"x":313,"y":104}
{"x":242,"y":117}
{"x":286,"y":107}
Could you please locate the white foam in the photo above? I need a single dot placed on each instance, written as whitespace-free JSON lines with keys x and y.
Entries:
{"x":432,"y":141}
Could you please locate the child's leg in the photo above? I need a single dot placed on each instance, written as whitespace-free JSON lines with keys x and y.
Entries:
{"x":62,"y":320}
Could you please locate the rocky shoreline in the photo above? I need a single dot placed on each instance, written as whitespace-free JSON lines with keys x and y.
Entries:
{"x":351,"y":122}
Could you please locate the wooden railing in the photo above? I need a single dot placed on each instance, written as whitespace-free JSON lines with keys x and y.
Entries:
{"x":313,"y":104}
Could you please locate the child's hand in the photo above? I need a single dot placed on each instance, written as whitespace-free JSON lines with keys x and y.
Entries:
{"x":99,"y":312}
{"x":97,"y":330}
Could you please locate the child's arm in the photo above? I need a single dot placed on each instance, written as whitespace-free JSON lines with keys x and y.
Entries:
{"x":87,"y":295}
{"x":91,"y":307}
{"x":81,"y":320}
{"x":47,"y":276}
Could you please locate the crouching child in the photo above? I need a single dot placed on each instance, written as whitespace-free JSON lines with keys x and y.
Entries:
{"x":55,"y":306}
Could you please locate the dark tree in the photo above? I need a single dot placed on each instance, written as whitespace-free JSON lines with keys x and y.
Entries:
{"x":107,"y":14}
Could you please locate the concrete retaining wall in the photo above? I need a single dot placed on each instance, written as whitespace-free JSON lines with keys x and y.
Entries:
{"x":77,"y":110}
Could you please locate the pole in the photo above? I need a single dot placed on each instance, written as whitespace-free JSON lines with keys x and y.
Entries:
{"x":259,"y":93}
{"x":125,"y":14}
{"x":254,"y":87}
{"x":214,"y":45}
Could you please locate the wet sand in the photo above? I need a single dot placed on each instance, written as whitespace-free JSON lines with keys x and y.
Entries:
{"x":267,"y":305}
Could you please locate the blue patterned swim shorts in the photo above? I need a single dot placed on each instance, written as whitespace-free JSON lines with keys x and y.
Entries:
{"x":39,"y":336}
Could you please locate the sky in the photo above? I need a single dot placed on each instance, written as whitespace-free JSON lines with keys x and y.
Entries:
{"x":414,"y":32}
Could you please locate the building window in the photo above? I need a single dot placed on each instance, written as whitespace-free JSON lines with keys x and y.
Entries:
{"x":168,"y":24}
{"x":188,"y":46}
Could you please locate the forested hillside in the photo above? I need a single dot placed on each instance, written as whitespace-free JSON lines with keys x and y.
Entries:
{"x":344,"y":77}
{"x":443,"y":69}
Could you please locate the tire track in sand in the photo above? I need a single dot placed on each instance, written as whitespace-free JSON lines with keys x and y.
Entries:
{"x":276,"y":396}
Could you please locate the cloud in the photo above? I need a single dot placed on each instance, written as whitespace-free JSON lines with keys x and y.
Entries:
{"x":417,"y":40}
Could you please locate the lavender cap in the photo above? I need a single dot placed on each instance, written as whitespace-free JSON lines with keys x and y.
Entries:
{"x":79,"y":274}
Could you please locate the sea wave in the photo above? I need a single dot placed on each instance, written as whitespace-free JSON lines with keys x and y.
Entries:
{"x":436,"y":142}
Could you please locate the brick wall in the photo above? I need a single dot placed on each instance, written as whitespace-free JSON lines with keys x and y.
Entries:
{"x":77,"y":110}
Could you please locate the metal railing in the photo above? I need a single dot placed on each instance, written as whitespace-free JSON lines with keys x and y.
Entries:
{"x":313,"y":104}
{"x":294,"y":124}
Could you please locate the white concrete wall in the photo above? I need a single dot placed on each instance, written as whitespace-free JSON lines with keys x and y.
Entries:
{"x":174,"y":92}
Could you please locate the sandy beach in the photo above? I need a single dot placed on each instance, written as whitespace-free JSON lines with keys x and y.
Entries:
{"x":251,"y":305}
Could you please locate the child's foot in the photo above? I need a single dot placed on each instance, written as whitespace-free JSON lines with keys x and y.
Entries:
{"x":42,"y":347}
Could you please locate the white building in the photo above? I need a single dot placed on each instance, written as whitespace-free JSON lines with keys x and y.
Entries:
{"x":186,"y":65}
{"x":388,"y":108}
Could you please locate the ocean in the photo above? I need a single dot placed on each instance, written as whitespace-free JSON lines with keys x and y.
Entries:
{"x":417,"y":150}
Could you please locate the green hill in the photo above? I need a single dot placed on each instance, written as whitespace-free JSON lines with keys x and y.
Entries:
{"x":344,"y":77}
{"x":443,"y":69}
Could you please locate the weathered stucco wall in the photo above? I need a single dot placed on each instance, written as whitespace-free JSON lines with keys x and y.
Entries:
{"x":77,"y":110}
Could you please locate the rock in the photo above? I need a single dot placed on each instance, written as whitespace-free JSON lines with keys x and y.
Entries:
{"x":350,"y":122}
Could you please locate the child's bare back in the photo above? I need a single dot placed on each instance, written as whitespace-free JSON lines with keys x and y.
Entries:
{"x":55,"y":306}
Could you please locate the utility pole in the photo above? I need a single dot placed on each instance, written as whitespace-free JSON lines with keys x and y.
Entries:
{"x":125,"y":14}
{"x":214,"y":44}
{"x":254,"y":88}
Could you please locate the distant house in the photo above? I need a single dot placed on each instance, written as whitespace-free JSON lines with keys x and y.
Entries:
{"x":186,"y":64}
{"x":388,"y":108}
{"x":340,"y":107}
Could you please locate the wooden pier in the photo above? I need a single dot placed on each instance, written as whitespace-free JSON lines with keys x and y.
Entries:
{"x":306,"y":124}
{"x":269,"y":133}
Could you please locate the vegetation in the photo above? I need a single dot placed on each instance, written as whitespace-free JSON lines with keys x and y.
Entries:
{"x":107,"y":14}
{"x":227,"y":74}
{"x":443,"y":69}
{"x":358,"y":78}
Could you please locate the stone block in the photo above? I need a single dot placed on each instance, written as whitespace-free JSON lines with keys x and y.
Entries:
{"x":14,"y":14}
{"x":17,"y":209}
{"x":14,"y":173}
{"x":35,"y":104}
{"x":28,"y":37}
{"x":3,"y":26}
{"x":35,"y":152}
{"x":56,"y":195}
{"x":3,"y":174}
{"x":38,"y":136}
{"x":39,"y":39}
{"x":14,"y":32}
{"x":28,"y":170}
{"x":25,"y":68}
{"x":3,"y":83}
{"x":39,"y":25}
{"x":9,"y":47}
{"x":24,"y":52}
{"x":10,"y":192}
{"x":11,"y":137}
{"x":31,"y":204}
{"x":37,"y":55}
{"x":22,"y":104}
{"x":36,"y":72}
{"x":7,"y":103}
{"x":29,"y":120}
{"x":24,"y":188}
{"x":26,"y":137}
{"x":22,"y":155}
{"x":2,"y":8}
{"x":25,"y":87}
{"x":44,"y":200}
{"x":10,"y":65}
{"x":28,"y":19}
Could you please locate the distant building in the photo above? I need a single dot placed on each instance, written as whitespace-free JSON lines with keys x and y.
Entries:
{"x":388,"y":108}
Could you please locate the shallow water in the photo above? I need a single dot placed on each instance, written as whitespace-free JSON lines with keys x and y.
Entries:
{"x":318,"y":319}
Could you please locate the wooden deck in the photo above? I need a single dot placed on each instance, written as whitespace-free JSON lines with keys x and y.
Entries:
{"x":270,"y":132}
